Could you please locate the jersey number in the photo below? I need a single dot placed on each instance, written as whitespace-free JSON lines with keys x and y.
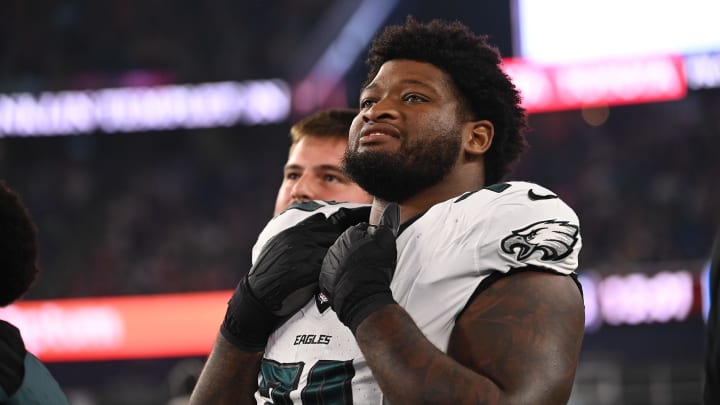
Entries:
{"x":329,"y":382}
{"x":498,"y":188}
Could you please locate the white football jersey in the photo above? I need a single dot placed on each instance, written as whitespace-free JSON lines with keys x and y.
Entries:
{"x":443,"y":257}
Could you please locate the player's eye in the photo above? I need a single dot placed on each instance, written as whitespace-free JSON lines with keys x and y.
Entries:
{"x":292,"y":176}
{"x":414,"y":98}
{"x":367,"y":103}
{"x":331,"y":178}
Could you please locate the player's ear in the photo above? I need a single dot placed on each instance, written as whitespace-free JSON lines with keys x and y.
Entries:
{"x":478,"y":138}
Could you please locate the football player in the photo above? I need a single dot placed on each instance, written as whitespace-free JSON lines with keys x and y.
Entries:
{"x":313,"y":169}
{"x":461,"y":288}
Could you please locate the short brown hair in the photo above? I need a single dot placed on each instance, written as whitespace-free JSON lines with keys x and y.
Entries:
{"x":331,"y":123}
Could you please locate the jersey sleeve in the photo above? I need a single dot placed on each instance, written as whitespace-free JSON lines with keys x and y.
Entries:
{"x":38,"y":387}
{"x":292,"y":216}
{"x":527,"y":225}
{"x":24,"y":379}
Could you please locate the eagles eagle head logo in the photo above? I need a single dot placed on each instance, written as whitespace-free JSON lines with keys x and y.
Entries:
{"x":554,"y":239}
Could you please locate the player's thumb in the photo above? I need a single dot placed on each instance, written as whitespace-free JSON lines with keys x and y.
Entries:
{"x":391,"y":218}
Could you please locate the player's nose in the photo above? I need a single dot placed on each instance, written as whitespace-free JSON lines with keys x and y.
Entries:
{"x":302,"y":190}
{"x":383,"y":109}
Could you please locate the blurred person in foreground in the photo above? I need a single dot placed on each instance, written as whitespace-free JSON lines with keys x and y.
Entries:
{"x":23,"y":378}
{"x":460,"y":288}
{"x":712,"y":331}
{"x":313,"y":170}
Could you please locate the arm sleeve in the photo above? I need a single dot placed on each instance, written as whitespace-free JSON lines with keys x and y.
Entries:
{"x":12,"y":355}
{"x":38,"y":386}
{"x":519,"y":232}
{"x":24,"y":379}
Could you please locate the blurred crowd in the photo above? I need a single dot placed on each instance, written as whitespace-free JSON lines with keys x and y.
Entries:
{"x":176,"y":211}
{"x":179,"y":211}
{"x":146,"y":213}
{"x":149,"y":212}
{"x":644,"y":183}
{"x":76,"y":44}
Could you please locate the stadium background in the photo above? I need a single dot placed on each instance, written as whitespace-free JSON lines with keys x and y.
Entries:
{"x":177,"y":210}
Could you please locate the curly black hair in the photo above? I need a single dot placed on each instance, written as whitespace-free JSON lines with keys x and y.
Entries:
{"x":18,"y":247}
{"x":475,"y":67}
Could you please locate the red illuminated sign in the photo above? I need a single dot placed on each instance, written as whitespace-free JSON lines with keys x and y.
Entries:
{"x":600,"y":83}
{"x":181,"y":325}
{"x":109,"y":328}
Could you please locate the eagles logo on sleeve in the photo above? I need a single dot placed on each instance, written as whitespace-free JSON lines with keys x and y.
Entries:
{"x":552,"y":238}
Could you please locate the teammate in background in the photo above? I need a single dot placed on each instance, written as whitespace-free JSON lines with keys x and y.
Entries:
{"x":23,"y":378}
{"x":463,"y":289}
{"x":313,"y":169}
{"x":712,"y":332}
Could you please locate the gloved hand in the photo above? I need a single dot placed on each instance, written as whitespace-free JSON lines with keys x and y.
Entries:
{"x":283,"y":278}
{"x":358,"y":268}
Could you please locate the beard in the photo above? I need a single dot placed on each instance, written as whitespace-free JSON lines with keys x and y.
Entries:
{"x":399,"y":175}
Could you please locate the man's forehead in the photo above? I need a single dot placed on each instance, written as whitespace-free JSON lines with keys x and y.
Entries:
{"x":406,"y":72}
{"x":317,"y":153}
{"x":312,"y":141}
{"x":409,"y":81}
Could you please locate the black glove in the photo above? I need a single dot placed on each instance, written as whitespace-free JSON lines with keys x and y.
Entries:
{"x":358,"y":268}
{"x":347,"y":217}
{"x":283,"y":278}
